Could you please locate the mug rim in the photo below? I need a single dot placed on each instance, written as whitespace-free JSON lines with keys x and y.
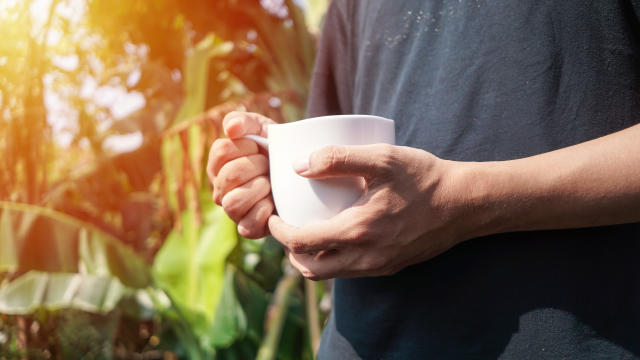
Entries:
{"x":334,"y":117}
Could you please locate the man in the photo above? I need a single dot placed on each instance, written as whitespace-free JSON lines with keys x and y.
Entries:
{"x":508,"y":222}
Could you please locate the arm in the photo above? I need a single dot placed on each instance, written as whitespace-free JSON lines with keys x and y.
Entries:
{"x":436,"y":204}
{"x":590,"y":184}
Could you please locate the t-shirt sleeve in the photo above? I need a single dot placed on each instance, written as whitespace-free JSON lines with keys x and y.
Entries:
{"x":331,"y":83}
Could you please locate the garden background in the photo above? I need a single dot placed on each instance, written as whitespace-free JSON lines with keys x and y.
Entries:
{"x":110,"y":245}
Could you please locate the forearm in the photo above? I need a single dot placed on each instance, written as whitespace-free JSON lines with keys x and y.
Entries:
{"x":590,"y":184}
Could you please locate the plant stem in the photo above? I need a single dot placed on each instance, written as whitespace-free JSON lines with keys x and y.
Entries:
{"x":276,"y":314}
{"x":312,"y":314}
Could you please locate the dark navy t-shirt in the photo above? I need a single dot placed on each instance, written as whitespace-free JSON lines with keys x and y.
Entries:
{"x":484,"y":80}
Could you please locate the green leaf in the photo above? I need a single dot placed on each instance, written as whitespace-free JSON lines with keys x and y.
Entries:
{"x":196,"y":74}
{"x":8,"y":251}
{"x":172,"y":168}
{"x":190,"y":266}
{"x":196,"y":78}
{"x":196,"y":152}
{"x":254,"y":300}
{"x":54,"y":291}
{"x":37,"y":238}
{"x":294,"y":342}
{"x":230,"y":320}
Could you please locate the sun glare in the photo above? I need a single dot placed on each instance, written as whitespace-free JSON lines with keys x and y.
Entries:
{"x":7,"y":4}
{"x":39,"y":10}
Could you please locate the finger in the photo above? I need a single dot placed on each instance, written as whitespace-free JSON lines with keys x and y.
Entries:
{"x":237,"y":124}
{"x":316,"y":237}
{"x":254,"y":224}
{"x":345,"y":263}
{"x":225,"y":150}
{"x":338,"y":161}
{"x":239,"y":201}
{"x":238,"y":172}
{"x":322,"y":265}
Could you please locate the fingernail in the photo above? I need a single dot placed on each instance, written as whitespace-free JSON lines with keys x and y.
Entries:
{"x":233,"y":123}
{"x":301,"y":165}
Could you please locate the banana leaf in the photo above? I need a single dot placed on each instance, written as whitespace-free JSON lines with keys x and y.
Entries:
{"x":41,"y":239}
{"x":36,"y":291}
{"x":190,"y":268}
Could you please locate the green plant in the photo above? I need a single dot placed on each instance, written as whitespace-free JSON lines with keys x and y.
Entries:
{"x":129,"y":246}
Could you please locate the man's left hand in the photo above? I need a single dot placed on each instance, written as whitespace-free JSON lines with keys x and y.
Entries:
{"x":409,"y":212}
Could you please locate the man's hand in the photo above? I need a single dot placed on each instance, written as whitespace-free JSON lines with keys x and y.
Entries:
{"x":406,"y":214}
{"x":416,"y":206}
{"x":239,"y":172}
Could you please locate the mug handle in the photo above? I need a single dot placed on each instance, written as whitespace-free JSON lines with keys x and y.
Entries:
{"x":264,"y":142}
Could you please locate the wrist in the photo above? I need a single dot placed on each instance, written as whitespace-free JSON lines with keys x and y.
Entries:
{"x":482,"y":193}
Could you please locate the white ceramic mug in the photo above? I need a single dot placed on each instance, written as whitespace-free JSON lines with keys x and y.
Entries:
{"x":300,"y":201}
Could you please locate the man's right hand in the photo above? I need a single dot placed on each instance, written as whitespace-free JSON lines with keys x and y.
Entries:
{"x":239,"y":172}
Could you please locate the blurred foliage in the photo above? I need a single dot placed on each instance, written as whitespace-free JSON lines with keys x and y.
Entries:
{"x":36,"y":238}
{"x":108,"y":253}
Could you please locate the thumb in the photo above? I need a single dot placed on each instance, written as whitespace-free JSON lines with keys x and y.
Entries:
{"x":338,"y":161}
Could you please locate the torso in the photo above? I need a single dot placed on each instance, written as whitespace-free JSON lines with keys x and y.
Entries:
{"x":480,"y":80}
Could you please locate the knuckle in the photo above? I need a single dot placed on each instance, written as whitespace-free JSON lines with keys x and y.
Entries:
{"x":386,"y":148}
{"x":232,"y":206}
{"x":387,"y":157}
{"x":229,"y":177}
{"x":256,"y":234}
{"x":217,"y":182}
{"x":263,"y":183}
{"x":298,"y":247}
{"x":308,"y":274}
{"x":313,"y":277}
{"x":232,"y":215}
{"x":218,"y":185}
{"x":234,"y":114}
{"x":210,"y":173}
{"x":217,"y":198}
{"x":331,"y":158}
{"x":254,"y":230}
{"x":223,"y":184}
{"x":265,"y":210}
{"x":211,"y":162}
{"x":222,"y":147}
